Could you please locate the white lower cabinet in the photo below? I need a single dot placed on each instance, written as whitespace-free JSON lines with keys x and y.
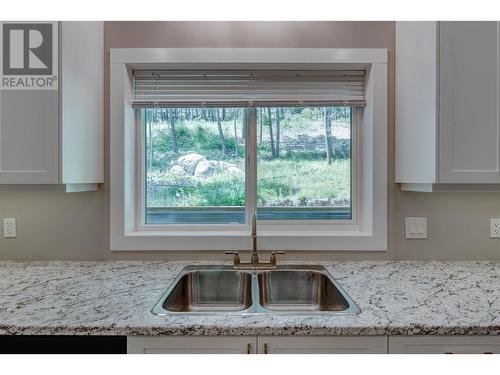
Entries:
{"x":255,"y":345}
{"x":191,"y":345}
{"x":322,"y":345}
{"x":313,"y":344}
{"x":444,"y":344}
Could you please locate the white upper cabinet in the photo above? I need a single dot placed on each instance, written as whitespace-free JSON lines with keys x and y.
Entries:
{"x":29,"y":137}
{"x":447,"y":105}
{"x":51,"y":105}
{"x":469,"y":142}
{"x":82,"y":102}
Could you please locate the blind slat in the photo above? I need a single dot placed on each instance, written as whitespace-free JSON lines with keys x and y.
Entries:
{"x":167,"y":88}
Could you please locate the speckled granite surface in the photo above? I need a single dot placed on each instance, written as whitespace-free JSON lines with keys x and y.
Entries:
{"x":115,"y":298}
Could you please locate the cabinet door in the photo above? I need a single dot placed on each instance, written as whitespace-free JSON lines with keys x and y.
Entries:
{"x":444,"y":344}
{"x":29,"y":137}
{"x":82,"y":101}
{"x":191,"y":345}
{"x":416,"y":102}
{"x":322,"y":345}
{"x":469,"y":130}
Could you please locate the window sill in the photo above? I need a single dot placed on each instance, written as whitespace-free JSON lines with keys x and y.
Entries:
{"x":190,"y":234}
{"x":247,"y":233}
{"x":289,"y":240}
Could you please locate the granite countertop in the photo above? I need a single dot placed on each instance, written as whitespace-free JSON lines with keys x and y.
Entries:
{"x":115,"y":298}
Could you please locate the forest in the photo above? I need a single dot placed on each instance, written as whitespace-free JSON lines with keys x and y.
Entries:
{"x":195,"y":156}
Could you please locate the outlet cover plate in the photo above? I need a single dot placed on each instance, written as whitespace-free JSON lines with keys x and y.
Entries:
{"x":416,"y":228}
{"x":495,"y":228}
{"x":9,"y":227}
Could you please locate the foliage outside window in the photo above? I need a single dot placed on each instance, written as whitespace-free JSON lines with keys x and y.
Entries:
{"x":195,"y":163}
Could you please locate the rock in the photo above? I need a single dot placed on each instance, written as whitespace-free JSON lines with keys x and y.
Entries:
{"x":177,"y":170}
{"x":235,"y":170}
{"x":206,"y":168}
{"x":190,"y":161}
{"x":226,"y":165}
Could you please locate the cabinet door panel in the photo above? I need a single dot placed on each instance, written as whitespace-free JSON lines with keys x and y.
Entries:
{"x":29,"y":137}
{"x":191,"y":345}
{"x":444,"y":344}
{"x":416,"y":102}
{"x":469,"y":135}
{"x":322,"y":345}
{"x":82,"y":102}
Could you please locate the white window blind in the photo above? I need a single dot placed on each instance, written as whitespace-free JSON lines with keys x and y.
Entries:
{"x":248,"y":88}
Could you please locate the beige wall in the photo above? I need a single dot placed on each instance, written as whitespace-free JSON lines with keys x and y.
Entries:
{"x":59,"y":226}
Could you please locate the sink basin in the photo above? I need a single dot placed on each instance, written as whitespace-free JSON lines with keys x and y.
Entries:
{"x":210,"y":290}
{"x":299,"y":290}
{"x":220,"y":290}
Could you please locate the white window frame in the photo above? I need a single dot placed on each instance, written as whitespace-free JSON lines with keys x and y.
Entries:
{"x":367,"y":232}
{"x":250,"y":185}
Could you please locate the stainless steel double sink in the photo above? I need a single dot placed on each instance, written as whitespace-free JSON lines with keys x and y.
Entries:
{"x":221,"y":290}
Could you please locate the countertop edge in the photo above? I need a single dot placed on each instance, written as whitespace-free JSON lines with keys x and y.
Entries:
{"x":248,"y":331}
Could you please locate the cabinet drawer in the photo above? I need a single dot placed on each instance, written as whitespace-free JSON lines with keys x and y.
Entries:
{"x":322,"y":345}
{"x":191,"y":345}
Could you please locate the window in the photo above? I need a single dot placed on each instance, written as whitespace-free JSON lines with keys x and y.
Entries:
{"x":293,"y":127}
{"x":304,"y":163}
{"x":194,"y":163}
{"x":189,"y":163}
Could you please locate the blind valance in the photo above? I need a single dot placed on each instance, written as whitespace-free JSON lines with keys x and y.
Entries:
{"x":248,"y":88}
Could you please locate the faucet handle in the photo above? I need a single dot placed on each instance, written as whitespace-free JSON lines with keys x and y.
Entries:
{"x":236,"y":254}
{"x":273,"y":256}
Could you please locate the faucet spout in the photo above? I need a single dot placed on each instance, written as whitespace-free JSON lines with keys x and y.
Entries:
{"x":255,"y":254}
{"x":254,"y":263}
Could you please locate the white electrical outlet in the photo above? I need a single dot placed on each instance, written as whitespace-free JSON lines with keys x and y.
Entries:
{"x":416,"y":228}
{"x":494,"y":228}
{"x":9,"y":227}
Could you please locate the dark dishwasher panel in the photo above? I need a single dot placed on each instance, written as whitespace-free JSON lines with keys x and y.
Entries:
{"x":63,"y":344}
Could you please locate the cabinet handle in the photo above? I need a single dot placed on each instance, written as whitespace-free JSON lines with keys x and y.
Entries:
{"x":488,"y":353}
{"x":449,"y":353}
{"x":266,"y":349}
{"x":249,"y":348}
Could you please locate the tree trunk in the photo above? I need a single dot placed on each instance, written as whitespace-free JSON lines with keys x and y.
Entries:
{"x":278,"y":131}
{"x":244,"y":114}
{"x":150,"y":130}
{"x":261,"y":121}
{"x":235,"y":138}
{"x":221,"y":134}
{"x":273,"y":151}
{"x":173,"y":132}
{"x":328,"y":136}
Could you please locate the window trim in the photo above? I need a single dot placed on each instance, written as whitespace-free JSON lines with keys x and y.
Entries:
{"x":367,"y":234}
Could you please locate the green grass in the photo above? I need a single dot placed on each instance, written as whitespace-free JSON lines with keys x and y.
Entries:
{"x":303,"y":181}
{"x":280,"y":183}
{"x":223,"y":189}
